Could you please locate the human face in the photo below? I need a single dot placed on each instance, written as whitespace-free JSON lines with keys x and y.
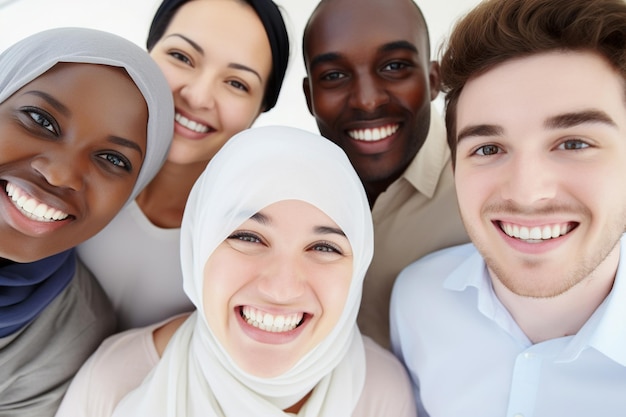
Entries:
{"x":70,"y":153}
{"x":276,"y":287}
{"x":370,"y":89}
{"x":541,"y":159}
{"x":217,"y":59}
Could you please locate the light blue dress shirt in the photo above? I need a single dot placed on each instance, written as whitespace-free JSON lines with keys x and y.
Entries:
{"x":468,"y":357}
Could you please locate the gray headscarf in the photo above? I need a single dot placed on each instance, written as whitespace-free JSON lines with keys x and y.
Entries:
{"x":31,"y":57}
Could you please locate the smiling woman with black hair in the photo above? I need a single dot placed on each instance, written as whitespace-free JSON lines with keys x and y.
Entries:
{"x":225,"y":61}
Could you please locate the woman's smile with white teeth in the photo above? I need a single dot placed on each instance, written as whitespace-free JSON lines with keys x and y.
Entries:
{"x":32,"y":208}
{"x":190,"y":124}
{"x":270,"y":322}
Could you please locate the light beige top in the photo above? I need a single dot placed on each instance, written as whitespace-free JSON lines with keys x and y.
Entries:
{"x":125,"y":359}
{"x":416,"y":215}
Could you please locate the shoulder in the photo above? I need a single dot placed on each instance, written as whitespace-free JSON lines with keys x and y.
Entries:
{"x":421,"y":287}
{"x":381,"y":365}
{"x":116,"y":368}
{"x":163,"y":334}
{"x":89,"y":291}
{"x":387,"y":390}
{"x":433,"y":267}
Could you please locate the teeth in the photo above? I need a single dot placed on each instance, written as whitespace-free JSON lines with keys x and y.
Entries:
{"x":269,"y":322}
{"x":536,"y":233}
{"x":372,"y":135}
{"x":190,"y":124}
{"x":32,"y":208}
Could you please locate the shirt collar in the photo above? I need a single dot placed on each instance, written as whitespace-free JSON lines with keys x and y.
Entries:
{"x":604,"y":331}
{"x":473,"y":273}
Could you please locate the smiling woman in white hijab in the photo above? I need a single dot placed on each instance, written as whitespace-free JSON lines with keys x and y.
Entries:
{"x":84,"y":125}
{"x":276,"y":239}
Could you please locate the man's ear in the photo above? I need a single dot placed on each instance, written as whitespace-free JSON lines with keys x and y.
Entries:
{"x":307,"y":94}
{"x":434,"y":77}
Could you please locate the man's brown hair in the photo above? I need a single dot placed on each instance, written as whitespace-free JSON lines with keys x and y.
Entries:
{"x":499,"y":30}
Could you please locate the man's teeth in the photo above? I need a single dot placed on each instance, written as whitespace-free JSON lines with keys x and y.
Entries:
{"x":190,"y":124}
{"x":536,"y":233}
{"x":269,"y":322}
{"x":370,"y":135}
{"x":32,"y":208}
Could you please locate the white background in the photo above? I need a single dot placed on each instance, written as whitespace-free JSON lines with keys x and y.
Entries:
{"x":131,"y":19}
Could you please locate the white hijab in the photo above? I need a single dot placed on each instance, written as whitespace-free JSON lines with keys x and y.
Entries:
{"x":196,"y":376}
{"x":32,"y":56}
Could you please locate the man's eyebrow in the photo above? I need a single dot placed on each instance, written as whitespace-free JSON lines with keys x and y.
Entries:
{"x":60,"y":107}
{"x":563,"y":121}
{"x":398,"y":45}
{"x":388,"y":47}
{"x":479,"y":130}
{"x":127,"y":143}
{"x":323,"y":58}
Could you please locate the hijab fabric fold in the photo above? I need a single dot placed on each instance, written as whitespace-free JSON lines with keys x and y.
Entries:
{"x":26,"y":289}
{"x":196,"y":376}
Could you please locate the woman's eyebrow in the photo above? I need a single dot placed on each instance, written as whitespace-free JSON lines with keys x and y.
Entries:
{"x":60,"y":107}
{"x":324,"y":230}
{"x":127,"y":143}
{"x":245,"y":68}
{"x":261,"y":218}
{"x":198,"y":48}
{"x":193,"y":44}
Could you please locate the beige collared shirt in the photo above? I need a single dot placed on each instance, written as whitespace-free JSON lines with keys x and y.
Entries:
{"x":416,"y":215}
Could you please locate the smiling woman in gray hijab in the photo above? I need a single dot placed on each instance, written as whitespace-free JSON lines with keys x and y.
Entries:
{"x":85,"y":123}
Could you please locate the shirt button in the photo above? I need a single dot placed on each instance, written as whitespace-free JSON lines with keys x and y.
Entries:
{"x":519,"y":415}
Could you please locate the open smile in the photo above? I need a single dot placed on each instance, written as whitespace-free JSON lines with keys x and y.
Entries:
{"x":31,"y":207}
{"x":191,"y":124}
{"x":536,"y":234}
{"x":374,"y":134}
{"x":270,"y":322}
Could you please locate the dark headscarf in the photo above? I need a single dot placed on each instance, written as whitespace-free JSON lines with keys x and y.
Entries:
{"x":27,"y":288}
{"x":274,"y":25}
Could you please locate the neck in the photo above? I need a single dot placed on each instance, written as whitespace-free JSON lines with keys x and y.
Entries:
{"x":375,"y":188}
{"x":543,"y":319}
{"x":164,"y":198}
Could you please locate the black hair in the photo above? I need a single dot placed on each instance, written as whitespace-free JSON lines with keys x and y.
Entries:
{"x":274,"y":25}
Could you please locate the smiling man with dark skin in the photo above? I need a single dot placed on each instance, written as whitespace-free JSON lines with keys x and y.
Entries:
{"x":369,"y":85}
